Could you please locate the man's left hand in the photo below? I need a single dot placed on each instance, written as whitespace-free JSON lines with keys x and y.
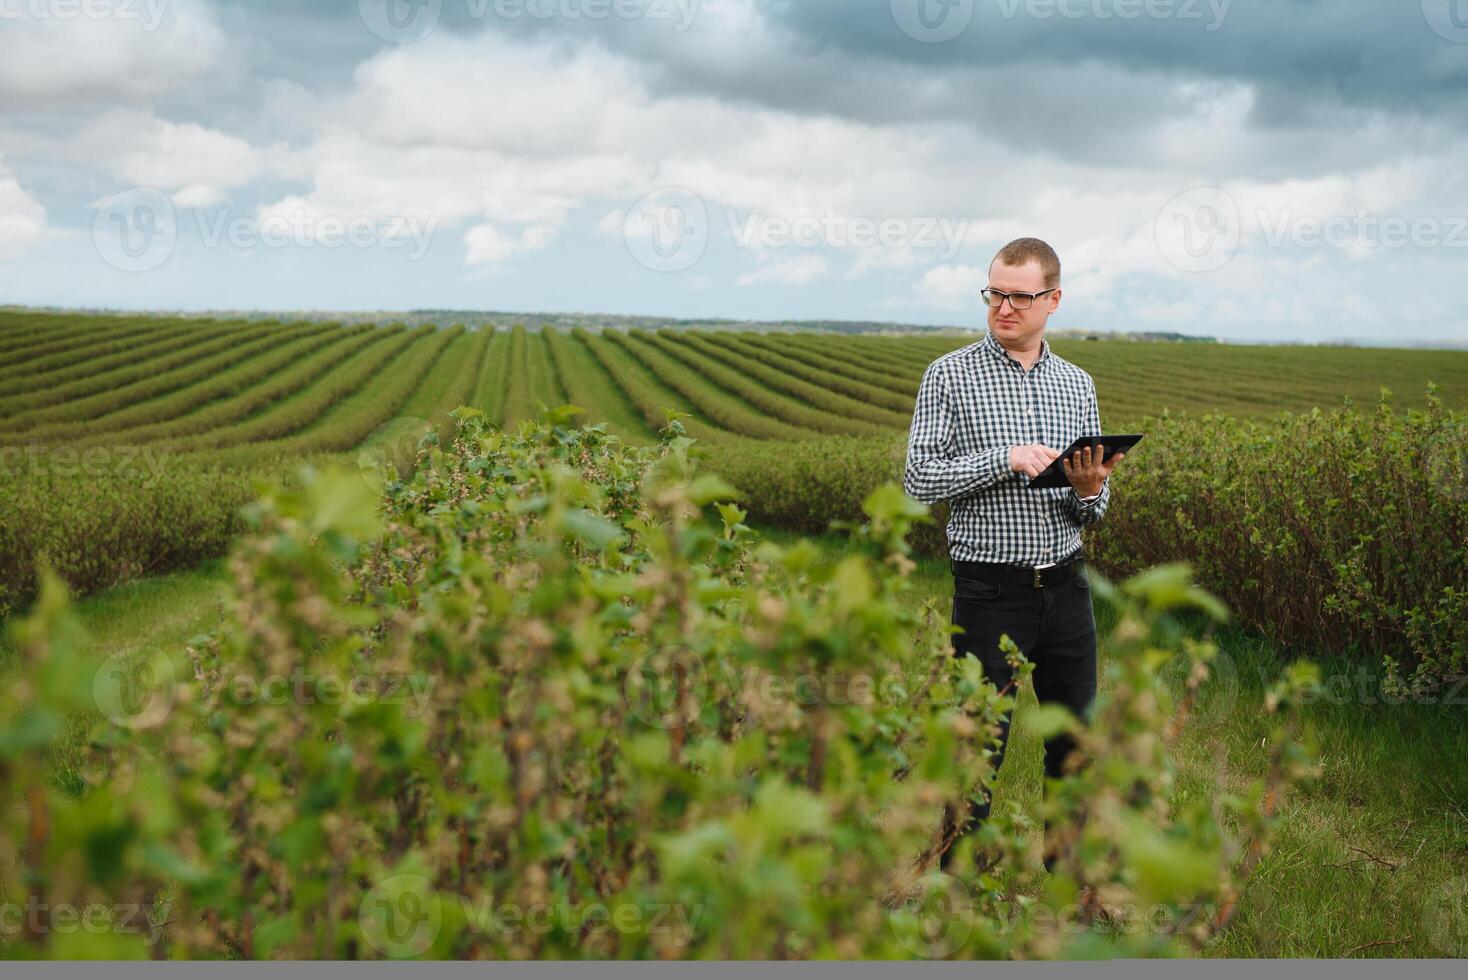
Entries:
{"x":1086,"y":471}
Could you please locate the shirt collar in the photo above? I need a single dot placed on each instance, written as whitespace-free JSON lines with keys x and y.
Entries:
{"x":992,"y":345}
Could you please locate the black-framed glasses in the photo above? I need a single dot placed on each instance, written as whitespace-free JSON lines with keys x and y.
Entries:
{"x":1020,"y":301}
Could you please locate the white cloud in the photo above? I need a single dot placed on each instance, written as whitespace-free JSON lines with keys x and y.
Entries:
{"x":141,"y":49}
{"x":22,"y":218}
{"x":503,"y":137}
{"x":488,"y":246}
{"x":484,"y":129}
{"x":194,"y":164}
{"x":613,"y":224}
{"x":796,"y":271}
{"x":951,"y":287}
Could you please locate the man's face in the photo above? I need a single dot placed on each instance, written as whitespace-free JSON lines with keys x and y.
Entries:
{"x":1020,"y":328}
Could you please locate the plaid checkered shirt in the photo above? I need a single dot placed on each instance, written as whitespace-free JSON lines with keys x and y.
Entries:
{"x":972,"y":406}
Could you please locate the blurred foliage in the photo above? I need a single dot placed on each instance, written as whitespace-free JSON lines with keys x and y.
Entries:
{"x":551,"y":697}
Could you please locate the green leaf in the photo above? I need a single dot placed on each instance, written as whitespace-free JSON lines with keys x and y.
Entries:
{"x":1049,"y":720}
{"x":342,"y":501}
{"x":708,"y":488}
{"x":889,"y":502}
{"x":594,"y":529}
{"x":785,"y":810}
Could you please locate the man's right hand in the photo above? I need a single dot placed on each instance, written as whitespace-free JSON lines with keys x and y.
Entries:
{"x":1032,"y":460}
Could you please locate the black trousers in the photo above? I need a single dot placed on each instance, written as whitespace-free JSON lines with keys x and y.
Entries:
{"x":1055,"y":628}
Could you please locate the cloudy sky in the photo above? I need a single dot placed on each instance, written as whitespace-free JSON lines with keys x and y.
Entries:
{"x":1251,"y":169}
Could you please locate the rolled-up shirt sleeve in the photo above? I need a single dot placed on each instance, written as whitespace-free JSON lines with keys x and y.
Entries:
{"x":934,"y":471}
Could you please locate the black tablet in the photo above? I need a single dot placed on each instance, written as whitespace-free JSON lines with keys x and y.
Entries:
{"x":1053,"y":476}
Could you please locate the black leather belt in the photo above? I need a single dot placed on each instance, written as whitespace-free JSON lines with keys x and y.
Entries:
{"x":1038,"y":578}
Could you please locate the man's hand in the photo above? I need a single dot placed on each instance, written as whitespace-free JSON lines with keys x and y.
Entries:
{"x":1032,"y":460}
{"x":1087,"y":472}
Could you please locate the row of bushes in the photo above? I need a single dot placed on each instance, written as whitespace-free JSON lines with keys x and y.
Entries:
{"x":104,"y":518}
{"x":100,"y":517}
{"x":1343,"y":530}
{"x":552,"y":698}
{"x":1339,"y":530}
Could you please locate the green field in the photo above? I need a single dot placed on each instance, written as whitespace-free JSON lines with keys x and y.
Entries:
{"x":128,"y":444}
{"x":243,"y":391}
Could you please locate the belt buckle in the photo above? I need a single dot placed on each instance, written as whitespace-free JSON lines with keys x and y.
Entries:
{"x":1038,"y":583}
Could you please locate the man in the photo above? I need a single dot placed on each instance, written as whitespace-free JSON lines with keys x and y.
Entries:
{"x":986,"y":420}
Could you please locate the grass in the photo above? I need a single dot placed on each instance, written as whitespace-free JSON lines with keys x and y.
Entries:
{"x":136,"y":620}
{"x":517,"y":404}
{"x":148,"y":614}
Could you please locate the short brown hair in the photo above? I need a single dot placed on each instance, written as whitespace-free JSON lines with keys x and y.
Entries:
{"x":1022,"y":250}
